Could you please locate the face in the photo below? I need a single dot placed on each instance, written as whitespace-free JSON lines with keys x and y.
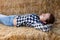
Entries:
{"x":44,"y":17}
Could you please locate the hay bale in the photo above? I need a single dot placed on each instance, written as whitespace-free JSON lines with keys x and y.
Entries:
{"x":10,"y":7}
{"x":21,"y":33}
{"x":25,"y":33}
{"x":22,"y":6}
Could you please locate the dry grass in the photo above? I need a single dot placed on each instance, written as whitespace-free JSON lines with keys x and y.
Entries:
{"x":10,"y":7}
{"x":21,"y":33}
{"x":25,"y":33}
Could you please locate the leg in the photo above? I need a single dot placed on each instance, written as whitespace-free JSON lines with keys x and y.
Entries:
{"x":7,"y":20}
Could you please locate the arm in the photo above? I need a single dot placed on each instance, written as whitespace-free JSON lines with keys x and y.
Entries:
{"x":42,"y":27}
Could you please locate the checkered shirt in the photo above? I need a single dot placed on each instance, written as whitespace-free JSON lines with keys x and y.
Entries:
{"x":32,"y":20}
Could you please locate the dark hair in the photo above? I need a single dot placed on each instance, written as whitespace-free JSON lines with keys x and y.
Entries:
{"x":51,"y":19}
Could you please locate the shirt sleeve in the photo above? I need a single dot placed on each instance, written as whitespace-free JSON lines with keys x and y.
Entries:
{"x":42,"y":27}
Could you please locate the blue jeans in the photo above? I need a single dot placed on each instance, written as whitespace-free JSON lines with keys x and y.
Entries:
{"x":7,"y":20}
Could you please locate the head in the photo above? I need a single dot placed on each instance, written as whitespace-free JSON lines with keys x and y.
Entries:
{"x":47,"y":18}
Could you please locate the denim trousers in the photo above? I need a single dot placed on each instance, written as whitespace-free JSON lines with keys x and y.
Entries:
{"x":7,"y":20}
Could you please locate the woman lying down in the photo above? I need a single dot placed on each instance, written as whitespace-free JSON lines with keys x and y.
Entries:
{"x":40,"y":22}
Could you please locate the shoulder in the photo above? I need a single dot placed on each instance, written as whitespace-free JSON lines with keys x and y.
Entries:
{"x":33,"y":14}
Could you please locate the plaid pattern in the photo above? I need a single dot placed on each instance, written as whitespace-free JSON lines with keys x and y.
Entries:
{"x":31,"y":20}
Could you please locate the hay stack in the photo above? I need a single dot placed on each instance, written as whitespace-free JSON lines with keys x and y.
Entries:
{"x":9,"y":7}
{"x":21,"y":33}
